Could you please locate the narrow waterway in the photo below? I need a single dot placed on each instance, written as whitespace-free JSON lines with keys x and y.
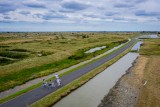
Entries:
{"x":91,"y":93}
{"x":137,"y":46}
{"x":153,"y":36}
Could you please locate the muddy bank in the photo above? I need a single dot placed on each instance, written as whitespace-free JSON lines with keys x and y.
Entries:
{"x":126,"y":91}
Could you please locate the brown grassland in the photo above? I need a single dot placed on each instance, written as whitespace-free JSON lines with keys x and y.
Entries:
{"x":150,"y":93}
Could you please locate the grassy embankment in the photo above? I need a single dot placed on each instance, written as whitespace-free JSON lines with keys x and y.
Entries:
{"x":64,"y":91}
{"x":150,"y":93}
{"x":58,"y":52}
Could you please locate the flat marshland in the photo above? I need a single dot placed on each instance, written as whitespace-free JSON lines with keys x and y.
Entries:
{"x":25,"y":56}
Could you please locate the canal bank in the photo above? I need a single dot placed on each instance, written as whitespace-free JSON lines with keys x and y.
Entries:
{"x":126,"y":91}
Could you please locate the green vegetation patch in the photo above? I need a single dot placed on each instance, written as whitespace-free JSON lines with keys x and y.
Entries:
{"x":150,"y":47}
{"x":4,"y":61}
{"x":4,"y":46}
{"x":20,"y":50}
{"x":11,"y":54}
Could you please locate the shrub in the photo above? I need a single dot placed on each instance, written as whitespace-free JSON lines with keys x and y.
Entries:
{"x":78,"y":55}
{"x":45,"y":53}
{"x":20,"y":50}
{"x":4,"y":46}
{"x":13,"y":54}
{"x":4,"y":61}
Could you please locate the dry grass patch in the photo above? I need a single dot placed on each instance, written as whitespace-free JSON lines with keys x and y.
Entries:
{"x":150,"y":93}
{"x":138,"y":72}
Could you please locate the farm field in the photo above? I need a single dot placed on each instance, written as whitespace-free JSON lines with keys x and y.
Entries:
{"x":25,"y":56}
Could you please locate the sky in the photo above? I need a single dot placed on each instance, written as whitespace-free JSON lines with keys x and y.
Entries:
{"x":79,"y":15}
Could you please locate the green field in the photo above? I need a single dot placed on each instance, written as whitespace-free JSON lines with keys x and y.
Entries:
{"x":25,"y":56}
{"x":150,"y":47}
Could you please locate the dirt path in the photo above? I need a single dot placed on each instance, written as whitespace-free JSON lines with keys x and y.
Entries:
{"x":126,"y":91}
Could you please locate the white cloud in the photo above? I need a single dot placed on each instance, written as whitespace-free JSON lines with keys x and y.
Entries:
{"x":80,"y":11}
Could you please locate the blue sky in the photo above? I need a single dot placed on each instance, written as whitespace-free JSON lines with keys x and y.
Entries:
{"x":79,"y":15}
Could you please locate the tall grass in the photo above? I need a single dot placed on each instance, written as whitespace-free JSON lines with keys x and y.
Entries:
{"x":4,"y":61}
{"x":150,"y":47}
{"x":20,"y":50}
{"x":15,"y":55}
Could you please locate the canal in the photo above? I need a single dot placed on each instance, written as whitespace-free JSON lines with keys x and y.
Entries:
{"x":91,"y":93}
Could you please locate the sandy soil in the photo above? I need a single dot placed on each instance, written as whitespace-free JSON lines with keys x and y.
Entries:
{"x":126,"y":91}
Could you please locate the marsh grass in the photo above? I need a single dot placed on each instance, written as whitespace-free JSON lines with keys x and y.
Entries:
{"x":11,"y":54}
{"x":150,"y":47}
{"x":19,"y":50}
{"x":4,"y":61}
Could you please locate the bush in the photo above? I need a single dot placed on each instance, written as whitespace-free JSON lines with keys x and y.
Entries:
{"x":78,"y":55}
{"x":4,"y":61}
{"x":4,"y":46}
{"x":10,"y":54}
{"x":45,"y":53}
{"x":84,"y":36}
{"x":20,"y":50}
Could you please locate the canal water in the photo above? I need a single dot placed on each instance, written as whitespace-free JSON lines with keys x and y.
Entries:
{"x":91,"y":93}
{"x":95,"y":49}
{"x":154,"y":36}
{"x":137,"y":46}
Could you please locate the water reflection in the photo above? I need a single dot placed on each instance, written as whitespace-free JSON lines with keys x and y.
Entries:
{"x":95,"y":49}
{"x":137,"y":46}
{"x":149,"y":36}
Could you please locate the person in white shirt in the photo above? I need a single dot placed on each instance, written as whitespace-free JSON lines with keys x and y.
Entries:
{"x":44,"y":83}
{"x":58,"y":82}
{"x":57,"y":76}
